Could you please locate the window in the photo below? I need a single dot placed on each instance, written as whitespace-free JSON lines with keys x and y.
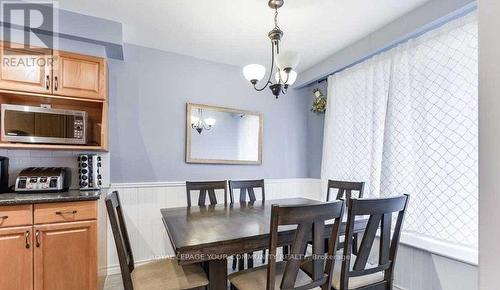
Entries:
{"x":406,"y":121}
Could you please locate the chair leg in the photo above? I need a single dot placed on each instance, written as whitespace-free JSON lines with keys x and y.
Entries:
{"x":235,"y":260}
{"x":286,"y":251}
{"x":355,"y":244}
{"x":241,"y":262}
{"x":249,"y":260}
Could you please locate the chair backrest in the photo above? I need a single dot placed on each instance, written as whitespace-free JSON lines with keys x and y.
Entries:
{"x":345,"y":189}
{"x":379,"y":212}
{"x":120,"y":234}
{"x":247,"y":186}
{"x":205,"y":187}
{"x":310,"y":221}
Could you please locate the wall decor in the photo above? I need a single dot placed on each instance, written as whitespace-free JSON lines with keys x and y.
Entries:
{"x":218,"y":135}
{"x":319,"y":103}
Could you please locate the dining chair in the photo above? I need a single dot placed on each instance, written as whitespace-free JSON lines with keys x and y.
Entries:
{"x":247,"y":194}
{"x":310,"y":222}
{"x":205,"y":187}
{"x":344,"y":191}
{"x":163,"y":274}
{"x":355,"y":271}
{"x":247,"y":188}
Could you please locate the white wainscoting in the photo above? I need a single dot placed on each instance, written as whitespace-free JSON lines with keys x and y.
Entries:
{"x":142,"y":203}
{"x":417,"y":269}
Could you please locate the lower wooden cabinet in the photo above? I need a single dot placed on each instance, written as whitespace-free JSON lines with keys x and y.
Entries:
{"x":16,"y":258}
{"x":65,"y":256}
{"x":51,"y":253}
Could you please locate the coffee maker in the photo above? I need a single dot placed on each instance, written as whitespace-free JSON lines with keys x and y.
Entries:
{"x":4,"y":174}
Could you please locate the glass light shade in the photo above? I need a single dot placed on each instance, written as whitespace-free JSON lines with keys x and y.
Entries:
{"x":254,"y":72}
{"x":194,"y":120}
{"x":287,"y":60}
{"x":210,"y":121}
{"x":292,"y":77}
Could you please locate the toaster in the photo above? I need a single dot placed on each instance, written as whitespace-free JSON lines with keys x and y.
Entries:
{"x":43,"y":179}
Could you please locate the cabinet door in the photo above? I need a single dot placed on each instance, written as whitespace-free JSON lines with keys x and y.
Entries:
{"x":65,"y":256}
{"x":79,"y":75}
{"x":28,"y":70}
{"x":16,"y":258}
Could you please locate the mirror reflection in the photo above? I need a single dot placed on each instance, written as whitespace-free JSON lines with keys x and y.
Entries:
{"x":223,"y":135}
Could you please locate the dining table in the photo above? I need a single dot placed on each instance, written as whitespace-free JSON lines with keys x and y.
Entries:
{"x":211,"y":234}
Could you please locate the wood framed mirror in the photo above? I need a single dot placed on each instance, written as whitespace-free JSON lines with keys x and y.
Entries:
{"x":218,"y":135}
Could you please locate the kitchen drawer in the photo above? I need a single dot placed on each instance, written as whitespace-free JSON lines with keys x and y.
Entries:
{"x":65,"y":212}
{"x":16,"y":215}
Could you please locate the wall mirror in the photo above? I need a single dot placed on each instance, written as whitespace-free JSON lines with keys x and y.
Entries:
{"x":220,"y":135}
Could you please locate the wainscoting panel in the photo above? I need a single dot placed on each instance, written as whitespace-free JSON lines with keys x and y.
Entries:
{"x":142,"y":203}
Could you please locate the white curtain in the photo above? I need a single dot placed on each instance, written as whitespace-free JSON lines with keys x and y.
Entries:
{"x":406,"y":121}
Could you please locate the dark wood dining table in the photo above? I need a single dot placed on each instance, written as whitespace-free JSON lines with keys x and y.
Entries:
{"x":212,"y":234}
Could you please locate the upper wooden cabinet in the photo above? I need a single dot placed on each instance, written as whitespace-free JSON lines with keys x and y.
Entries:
{"x":54,"y":72}
{"x":26,"y":70}
{"x":79,"y":75}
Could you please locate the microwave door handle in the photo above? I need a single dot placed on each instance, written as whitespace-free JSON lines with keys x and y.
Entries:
{"x":47,"y":82}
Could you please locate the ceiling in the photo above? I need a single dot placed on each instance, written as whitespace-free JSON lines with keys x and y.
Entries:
{"x":235,"y":31}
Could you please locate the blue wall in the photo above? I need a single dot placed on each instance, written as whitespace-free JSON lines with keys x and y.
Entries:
{"x":148,"y":93}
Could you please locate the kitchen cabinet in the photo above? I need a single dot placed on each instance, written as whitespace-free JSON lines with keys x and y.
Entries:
{"x":58,"y":79}
{"x":79,"y":75}
{"x":24,"y":69}
{"x":65,"y":256}
{"x":16,"y":258}
{"x":39,"y":70}
{"x":56,"y":248}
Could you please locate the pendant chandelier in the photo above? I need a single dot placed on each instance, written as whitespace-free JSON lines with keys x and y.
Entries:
{"x":286,"y":61}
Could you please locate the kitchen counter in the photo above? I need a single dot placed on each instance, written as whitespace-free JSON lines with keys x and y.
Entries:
{"x":31,"y":198}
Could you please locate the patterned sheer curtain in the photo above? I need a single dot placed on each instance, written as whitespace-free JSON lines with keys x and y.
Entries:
{"x":406,"y":121}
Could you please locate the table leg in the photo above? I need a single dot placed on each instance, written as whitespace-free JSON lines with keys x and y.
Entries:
{"x":217,"y":274}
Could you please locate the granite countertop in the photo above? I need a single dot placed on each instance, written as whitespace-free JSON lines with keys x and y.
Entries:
{"x":42,"y":197}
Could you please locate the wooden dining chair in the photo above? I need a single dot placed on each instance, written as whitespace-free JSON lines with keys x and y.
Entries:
{"x":355,"y":272}
{"x":345,"y":190}
{"x":204,"y":188}
{"x":310,"y":221}
{"x":246,"y":194}
{"x":247,"y":189}
{"x":163,"y":274}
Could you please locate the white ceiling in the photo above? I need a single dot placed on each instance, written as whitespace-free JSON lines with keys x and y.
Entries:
{"x":235,"y":31}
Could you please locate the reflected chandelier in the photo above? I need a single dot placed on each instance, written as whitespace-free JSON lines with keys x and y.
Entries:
{"x":286,"y":61}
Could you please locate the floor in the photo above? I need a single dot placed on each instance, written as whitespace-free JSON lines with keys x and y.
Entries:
{"x":114,"y":282}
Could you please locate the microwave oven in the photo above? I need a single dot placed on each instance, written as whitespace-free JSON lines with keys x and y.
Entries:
{"x":27,"y":124}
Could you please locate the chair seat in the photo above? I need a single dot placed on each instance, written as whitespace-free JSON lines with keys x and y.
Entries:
{"x":255,"y":279}
{"x":168,"y":275}
{"x":354,"y":282}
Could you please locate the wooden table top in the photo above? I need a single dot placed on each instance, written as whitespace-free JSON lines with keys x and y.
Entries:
{"x":196,"y":232}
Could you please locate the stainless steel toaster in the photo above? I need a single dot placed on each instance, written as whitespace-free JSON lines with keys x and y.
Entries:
{"x":43,"y":179}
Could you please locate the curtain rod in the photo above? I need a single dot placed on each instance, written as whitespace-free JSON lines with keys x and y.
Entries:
{"x":431,"y":26}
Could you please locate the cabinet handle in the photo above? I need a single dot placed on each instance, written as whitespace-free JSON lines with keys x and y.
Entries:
{"x":47,"y":82}
{"x":56,"y":83}
{"x":27,"y":236}
{"x":37,"y":238}
{"x":66,"y":212}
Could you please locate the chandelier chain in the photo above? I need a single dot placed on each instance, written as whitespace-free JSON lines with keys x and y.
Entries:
{"x":276,"y":18}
